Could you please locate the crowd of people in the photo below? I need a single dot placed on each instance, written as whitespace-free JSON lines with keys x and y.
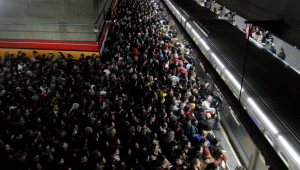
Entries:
{"x":138,"y":106}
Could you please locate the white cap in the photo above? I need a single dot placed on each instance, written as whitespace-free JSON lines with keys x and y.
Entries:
{"x":102,"y":92}
{"x":11,"y":108}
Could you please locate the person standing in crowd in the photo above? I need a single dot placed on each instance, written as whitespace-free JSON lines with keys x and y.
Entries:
{"x":34,"y":54}
{"x":260,"y":36}
{"x":281,"y":54}
{"x":271,"y":47}
{"x":208,"y":4}
{"x":220,"y":12}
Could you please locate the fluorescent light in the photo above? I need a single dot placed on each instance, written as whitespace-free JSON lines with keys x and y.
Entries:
{"x":238,"y":85}
{"x":204,"y":44}
{"x":183,"y":19}
{"x":263,"y":116}
{"x":189,"y":25}
{"x":217,"y":59}
{"x":195,"y":33}
{"x":289,"y":149}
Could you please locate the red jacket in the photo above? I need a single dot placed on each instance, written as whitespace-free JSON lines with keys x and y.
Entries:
{"x":182,"y":68}
{"x":101,"y":100}
{"x":220,"y":159}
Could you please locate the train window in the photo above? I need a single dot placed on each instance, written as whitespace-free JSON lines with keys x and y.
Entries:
{"x":284,"y":158}
{"x":269,"y":138}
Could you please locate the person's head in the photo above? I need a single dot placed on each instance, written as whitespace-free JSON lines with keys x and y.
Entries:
{"x":204,"y":143}
{"x":217,"y":153}
{"x":270,"y":44}
{"x":188,"y":118}
{"x":203,"y":133}
{"x":281,"y":50}
{"x":88,"y":130}
{"x":55,"y":108}
{"x":206,"y":154}
{"x":64,"y":146}
{"x":7,"y":147}
{"x":18,"y":135}
{"x":179,"y":160}
{"x":187,"y":144}
{"x":50,"y":158}
{"x":36,"y":158}
{"x":187,"y":108}
{"x":195,"y":163}
{"x":207,"y":86}
{"x":216,"y":142}
{"x":83,"y":159}
{"x":173,"y":145}
{"x":154,"y":148}
{"x":212,"y":166}
{"x":208,"y":116}
{"x":21,"y":121}
{"x":112,"y":131}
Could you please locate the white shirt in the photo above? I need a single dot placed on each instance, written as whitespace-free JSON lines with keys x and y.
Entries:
{"x":20,"y":67}
{"x":174,"y":109}
{"x":207,"y":106}
{"x":55,"y":113}
{"x":107,"y":72}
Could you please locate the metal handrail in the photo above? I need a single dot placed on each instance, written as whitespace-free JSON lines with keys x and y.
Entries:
{"x":101,"y":12}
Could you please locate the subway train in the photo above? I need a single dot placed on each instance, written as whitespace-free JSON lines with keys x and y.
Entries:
{"x":269,"y":92}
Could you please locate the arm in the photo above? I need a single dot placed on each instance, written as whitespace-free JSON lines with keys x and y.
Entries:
{"x":224,"y":157}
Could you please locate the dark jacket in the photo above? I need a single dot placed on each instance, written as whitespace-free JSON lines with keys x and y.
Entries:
{"x":281,"y":55}
{"x":189,"y":129}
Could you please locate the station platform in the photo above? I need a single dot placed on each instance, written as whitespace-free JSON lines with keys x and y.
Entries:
{"x":292,"y":53}
{"x":232,"y":158}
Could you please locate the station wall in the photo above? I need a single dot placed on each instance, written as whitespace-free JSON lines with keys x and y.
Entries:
{"x":47,"y":19}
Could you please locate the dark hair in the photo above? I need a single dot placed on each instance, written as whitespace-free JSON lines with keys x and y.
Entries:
{"x":202,"y":141}
{"x":191,"y":98}
{"x":152,"y":147}
{"x":188,"y":117}
{"x":217,"y":153}
{"x":211,"y":166}
{"x":185,"y":142}
{"x":187,"y":107}
{"x":215,"y":141}
{"x":179,"y":157}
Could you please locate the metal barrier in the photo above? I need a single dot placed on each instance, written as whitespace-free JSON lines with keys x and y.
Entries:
{"x":102,"y":17}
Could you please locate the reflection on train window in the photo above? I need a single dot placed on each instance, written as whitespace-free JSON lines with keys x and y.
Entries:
{"x":284,"y":158}
{"x":269,"y":138}
{"x":262,"y":157}
{"x":234,"y":115}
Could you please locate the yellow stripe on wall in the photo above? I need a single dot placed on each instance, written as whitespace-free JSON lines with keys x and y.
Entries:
{"x":28,"y":52}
